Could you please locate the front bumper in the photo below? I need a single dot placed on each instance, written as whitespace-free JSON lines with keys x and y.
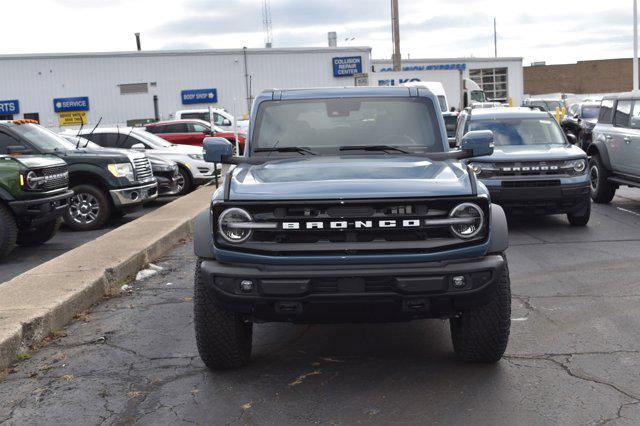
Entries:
{"x":167,"y":185}
{"x":40,"y":210}
{"x":353,"y":293}
{"x":136,"y":195}
{"x":538,"y":196}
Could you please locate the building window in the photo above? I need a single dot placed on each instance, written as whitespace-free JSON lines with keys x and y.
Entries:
{"x":493,"y":81}
{"x":127,"y":89}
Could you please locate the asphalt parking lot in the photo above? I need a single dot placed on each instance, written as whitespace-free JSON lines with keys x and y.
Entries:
{"x":24,"y":258}
{"x":573,"y":357}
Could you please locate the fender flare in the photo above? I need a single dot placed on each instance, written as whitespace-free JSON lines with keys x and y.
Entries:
{"x":5,"y":195}
{"x":597,"y":147}
{"x":499,"y":240}
{"x":203,"y":236}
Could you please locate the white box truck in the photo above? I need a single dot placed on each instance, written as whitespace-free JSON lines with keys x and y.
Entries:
{"x":459,"y":92}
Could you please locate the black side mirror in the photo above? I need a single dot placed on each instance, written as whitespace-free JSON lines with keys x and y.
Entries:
{"x":572,"y":138}
{"x":18,"y":150}
{"x":452,"y":142}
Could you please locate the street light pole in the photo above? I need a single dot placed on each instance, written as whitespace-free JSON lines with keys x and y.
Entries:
{"x":635,"y":44}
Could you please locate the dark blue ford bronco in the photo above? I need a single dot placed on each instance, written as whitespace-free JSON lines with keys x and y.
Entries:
{"x":349,"y":206}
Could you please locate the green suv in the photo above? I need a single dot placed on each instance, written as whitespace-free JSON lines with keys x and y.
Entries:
{"x":33,"y":195}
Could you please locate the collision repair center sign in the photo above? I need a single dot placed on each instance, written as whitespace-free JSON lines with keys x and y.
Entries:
{"x":347,"y":66}
{"x":199,"y":96}
{"x":10,"y":107}
{"x":71,"y":104}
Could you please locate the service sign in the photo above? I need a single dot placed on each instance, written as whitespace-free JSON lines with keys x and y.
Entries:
{"x":71,"y":104}
{"x":199,"y":96}
{"x":73,"y":118}
{"x":347,"y":66}
{"x":9,"y":107}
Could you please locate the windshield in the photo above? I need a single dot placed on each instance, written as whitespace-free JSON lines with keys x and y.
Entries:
{"x":521,"y":131}
{"x":478,"y":96}
{"x":589,"y":112}
{"x":325,"y":125}
{"x":153,"y":140}
{"x":42,"y":138}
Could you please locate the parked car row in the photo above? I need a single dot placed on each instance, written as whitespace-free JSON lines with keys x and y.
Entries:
{"x":85,"y":177}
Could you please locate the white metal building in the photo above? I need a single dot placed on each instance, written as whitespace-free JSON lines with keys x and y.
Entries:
{"x":120,"y":87}
{"x":500,"y":78}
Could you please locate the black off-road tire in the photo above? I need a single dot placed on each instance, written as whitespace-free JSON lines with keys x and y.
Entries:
{"x":185,"y":177}
{"x":602,"y":191}
{"x":104,"y":212}
{"x":8,"y":231}
{"x":223,"y":338}
{"x":38,"y":235}
{"x":582,"y":218}
{"x":481,"y":334}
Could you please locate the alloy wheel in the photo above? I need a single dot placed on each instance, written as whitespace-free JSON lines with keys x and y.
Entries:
{"x":594,"y":178}
{"x":84,"y":208}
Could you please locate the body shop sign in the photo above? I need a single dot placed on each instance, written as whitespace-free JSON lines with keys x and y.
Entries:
{"x":71,"y":104}
{"x":199,"y":96}
{"x":10,"y":107}
{"x":347,"y":66}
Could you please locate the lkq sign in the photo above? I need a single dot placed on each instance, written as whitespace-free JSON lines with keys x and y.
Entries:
{"x":199,"y":96}
{"x":10,"y":107}
{"x":71,"y":104}
{"x":347,"y":66}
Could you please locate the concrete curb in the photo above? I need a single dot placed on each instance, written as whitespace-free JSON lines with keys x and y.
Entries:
{"x":47,"y":297}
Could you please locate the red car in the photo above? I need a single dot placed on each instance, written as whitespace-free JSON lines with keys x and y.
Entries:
{"x":191,"y":132}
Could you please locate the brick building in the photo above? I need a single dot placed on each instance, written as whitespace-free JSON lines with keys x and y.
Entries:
{"x":599,"y":76}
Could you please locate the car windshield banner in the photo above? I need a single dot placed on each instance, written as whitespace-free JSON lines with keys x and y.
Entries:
{"x":71,"y":104}
{"x":347,"y":66}
{"x":199,"y":96}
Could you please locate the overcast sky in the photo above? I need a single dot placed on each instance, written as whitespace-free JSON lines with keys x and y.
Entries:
{"x":538,"y":30}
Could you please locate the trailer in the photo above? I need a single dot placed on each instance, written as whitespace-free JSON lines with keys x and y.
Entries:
{"x":459,"y":92}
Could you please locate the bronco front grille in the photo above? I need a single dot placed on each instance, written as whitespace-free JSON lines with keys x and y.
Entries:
{"x":55,"y":177}
{"x":364,"y":226}
{"x":529,"y":168}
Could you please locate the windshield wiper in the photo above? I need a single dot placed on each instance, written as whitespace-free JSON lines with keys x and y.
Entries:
{"x":373,"y":148}
{"x":298,"y":149}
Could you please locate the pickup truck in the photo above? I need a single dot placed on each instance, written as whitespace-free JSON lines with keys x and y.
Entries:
{"x":104,"y":182}
{"x":33,"y":196}
{"x":350,"y":206}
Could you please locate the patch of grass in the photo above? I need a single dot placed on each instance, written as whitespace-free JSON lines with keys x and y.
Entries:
{"x":23,"y":356}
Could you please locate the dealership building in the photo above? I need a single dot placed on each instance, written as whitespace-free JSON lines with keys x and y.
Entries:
{"x":142,"y":86}
{"x":500,"y":78}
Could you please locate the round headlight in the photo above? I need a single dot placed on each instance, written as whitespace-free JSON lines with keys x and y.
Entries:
{"x":227,"y":225}
{"x":33,"y":181}
{"x":471,"y":220}
{"x":579,"y":166}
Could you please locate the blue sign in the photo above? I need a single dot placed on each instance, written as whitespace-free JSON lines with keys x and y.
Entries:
{"x":430,"y":67}
{"x":199,"y":96}
{"x":71,"y":104}
{"x":347,"y":66}
{"x":9,"y":107}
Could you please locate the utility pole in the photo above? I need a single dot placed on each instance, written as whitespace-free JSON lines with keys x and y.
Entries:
{"x":395,"y":35}
{"x":635,"y":44}
{"x":495,"y":38}
{"x":138,"y":41}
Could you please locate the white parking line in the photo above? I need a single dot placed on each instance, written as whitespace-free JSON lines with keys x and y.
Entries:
{"x":628,"y":211}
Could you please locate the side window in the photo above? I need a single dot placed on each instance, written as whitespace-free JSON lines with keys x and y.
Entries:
{"x":153,"y":129}
{"x":110,"y":140}
{"x":606,"y":112}
{"x":128,"y":142}
{"x":623,"y":111}
{"x":175,"y":128}
{"x":6,"y":141}
{"x":198,"y":128}
{"x":218,"y":120}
